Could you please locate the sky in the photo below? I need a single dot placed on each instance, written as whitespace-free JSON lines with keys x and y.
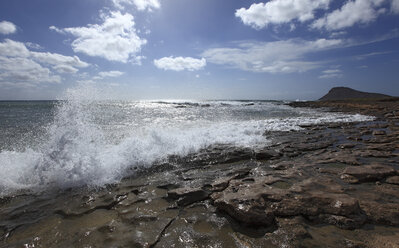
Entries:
{"x":198,"y":49}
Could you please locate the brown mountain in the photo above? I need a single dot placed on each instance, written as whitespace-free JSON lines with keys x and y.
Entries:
{"x":344,"y":93}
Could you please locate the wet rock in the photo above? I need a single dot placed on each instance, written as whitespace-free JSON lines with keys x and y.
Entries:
{"x":257,"y":203}
{"x":366,"y":132}
{"x":355,"y":138}
{"x":317,"y":203}
{"x":389,"y":115}
{"x":379,"y":139}
{"x":243,"y":212}
{"x":311,"y":146}
{"x":266,"y":154}
{"x":335,"y":125}
{"x":346,"y":146}
{"x":381,"y":213}
{"x":379,"y":132}
{"x":187,"y":196}
{"x":354,"y":244}
{"x":338,"y":157}
{"x":393,"y":180}
{"x":382,"y":147}
{"x":342,"y":221}
{"x":291,"y":232}
{"x":243,"y":203}
{"x":222,"y":183}
{"x":367,"y":173}
{"x":237,"y":155}
{"x":374,"y":154}
{"x":86,"y":204}
{"x":281,"y":166}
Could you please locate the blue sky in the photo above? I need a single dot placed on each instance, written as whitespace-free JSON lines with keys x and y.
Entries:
{"x":198,"y":49}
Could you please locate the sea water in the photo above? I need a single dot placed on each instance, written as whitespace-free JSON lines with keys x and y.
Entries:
{"x":83,"y":140}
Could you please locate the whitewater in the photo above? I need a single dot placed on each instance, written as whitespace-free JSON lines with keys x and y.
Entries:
{"x":84,"y":140}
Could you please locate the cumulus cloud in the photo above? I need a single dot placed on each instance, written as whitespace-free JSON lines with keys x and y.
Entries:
{"x":259,"y":15}
{"x":180,"y":63}
{"x":115,"y":39}
{"x":140,"y":4}
{"x":105,"y":74}
{"x":33,"y":45}
{"x":10,"y":48}
{"x":19,"y":65}
{"x":273,"y":57}
{"x":332,"y":73}
{"x":351,"y":13}
{"x":61,"y":63}
{"x":7,"y":27}
{"x":25,"y":70}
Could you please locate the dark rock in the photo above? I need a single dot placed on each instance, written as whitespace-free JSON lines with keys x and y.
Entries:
{"x":389,"y":115}
{"x":237,"y":155}
{"x":335,"y":125}
{"x":379,"y":132}
{"x":256,"y":203}
{"x":354,"y":244}
{"x":366,"y":132}
{"x":374,"y":154}
{"x":393,"y":180}
{"x":367,"y":173}
{"x":311,"y":146}
{"x":346,"y":146}
{"x":281,"y":166}
{"x":342,"y":93}
{"x":187,"y":196}
{"x":266,"y":154}
{"x":381,"y":213}
{"x":342,"y":221}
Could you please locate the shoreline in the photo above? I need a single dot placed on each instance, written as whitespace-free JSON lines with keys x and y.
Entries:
{"x":329,"y":185}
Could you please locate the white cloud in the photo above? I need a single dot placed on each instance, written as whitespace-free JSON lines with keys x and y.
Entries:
{"x":61,"y":63}
{"x":368,"y":55}
{"x":7,"y":27}
{"x":104,"y":74}
{"x":272,"y":57}
{"x":54,"y":28}
{"x":33,"y":45}
{"x":115,"y":39}
{"x":259,"y":15}
{"x":20,"y":66}
{"x":12,"y":48}
{"x":351,"y":13}
{"x":332,"y":73}
{"x":180,"y":63}
{"x":395,"y":6}
{"x":25,"y":70}
{"x":140,"y":4}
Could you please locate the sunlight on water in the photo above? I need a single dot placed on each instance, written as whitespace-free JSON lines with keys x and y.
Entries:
{"x":93,"y":142}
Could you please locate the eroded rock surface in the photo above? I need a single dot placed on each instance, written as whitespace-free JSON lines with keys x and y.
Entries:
{"x":295,"y":192}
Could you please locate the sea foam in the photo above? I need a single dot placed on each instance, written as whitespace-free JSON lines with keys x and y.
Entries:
{"x":83,"y":149}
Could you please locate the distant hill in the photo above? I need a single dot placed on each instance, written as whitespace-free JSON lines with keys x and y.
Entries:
{"x":344,"y":93}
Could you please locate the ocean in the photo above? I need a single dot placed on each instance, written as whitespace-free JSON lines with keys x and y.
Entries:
{"x":82,"y":140}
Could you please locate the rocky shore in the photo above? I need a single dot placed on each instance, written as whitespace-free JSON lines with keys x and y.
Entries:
{"x":330,"y":185}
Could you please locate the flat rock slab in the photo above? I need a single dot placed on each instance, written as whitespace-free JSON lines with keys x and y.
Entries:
{"x":187,"y":196}
{"x":393,"y":180}
{"x":367,"y":173}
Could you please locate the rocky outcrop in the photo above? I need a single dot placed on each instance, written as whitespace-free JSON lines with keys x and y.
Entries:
{"x":259,"y":203}
{"x":308,"y":188}
{"x":367,"y":173}
{"x":345,"y":93}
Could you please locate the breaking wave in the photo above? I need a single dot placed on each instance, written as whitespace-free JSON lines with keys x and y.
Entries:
{"x":80,"y":150}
